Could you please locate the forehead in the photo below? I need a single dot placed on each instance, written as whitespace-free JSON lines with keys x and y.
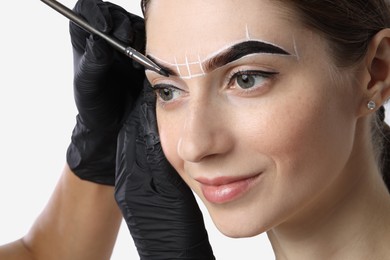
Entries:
{"x":202,"y":27}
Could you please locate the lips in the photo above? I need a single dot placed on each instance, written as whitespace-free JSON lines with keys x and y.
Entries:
{"x":224,"y":189}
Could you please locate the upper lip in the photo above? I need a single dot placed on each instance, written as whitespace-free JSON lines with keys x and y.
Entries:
{"x":218,"y":181}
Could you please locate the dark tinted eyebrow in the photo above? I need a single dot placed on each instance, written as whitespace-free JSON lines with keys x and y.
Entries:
{"x":240,"y":50}
{"x":233,"y":53}
{"x":165,"y":68}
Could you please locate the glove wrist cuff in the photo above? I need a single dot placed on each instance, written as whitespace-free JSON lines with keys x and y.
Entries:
{"x":91,"y":154}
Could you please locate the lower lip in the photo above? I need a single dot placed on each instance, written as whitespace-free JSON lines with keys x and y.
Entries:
{"x":227,"y":192}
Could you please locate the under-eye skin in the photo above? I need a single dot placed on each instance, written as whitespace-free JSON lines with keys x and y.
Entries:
{"x":250,"y":80}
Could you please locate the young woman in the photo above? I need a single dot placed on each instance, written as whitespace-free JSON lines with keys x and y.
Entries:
{"x":273,"y":115}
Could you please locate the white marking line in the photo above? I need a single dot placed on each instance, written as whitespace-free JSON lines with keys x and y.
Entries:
{"x":248,"y":37}
{"x":188,"y":66}
{"x":296,"y":49}
{"x":201,"y":65}
{"x":177,"y":66}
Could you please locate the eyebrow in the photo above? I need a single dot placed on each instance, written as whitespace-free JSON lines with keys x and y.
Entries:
{"x":165,"y":68}
{"x":240,"y":50}
{"x":233,"y":53}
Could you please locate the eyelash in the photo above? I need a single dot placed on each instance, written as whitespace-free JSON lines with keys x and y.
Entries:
{"x":231,"y":80}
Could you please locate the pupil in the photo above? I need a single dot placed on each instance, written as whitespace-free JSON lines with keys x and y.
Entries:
{"x":246,"y":81}
{"x":166,"y":94}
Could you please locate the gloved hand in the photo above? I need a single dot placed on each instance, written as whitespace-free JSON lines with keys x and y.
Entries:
{"x":106,"y":84}
{"x":159,"y":208}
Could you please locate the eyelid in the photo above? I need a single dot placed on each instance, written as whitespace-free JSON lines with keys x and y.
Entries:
{"x":156,"y":79}
{"x":165,"y":85}
{"x":238,"y":72}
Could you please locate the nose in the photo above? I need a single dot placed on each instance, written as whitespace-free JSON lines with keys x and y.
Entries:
{"x":205,"y":132}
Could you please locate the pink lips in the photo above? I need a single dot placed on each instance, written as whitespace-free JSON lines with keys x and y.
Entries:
{"x":225,"y":189}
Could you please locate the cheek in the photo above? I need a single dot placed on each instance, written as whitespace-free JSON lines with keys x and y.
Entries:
{"x":309,"y":138}
{"x":169,"y":136}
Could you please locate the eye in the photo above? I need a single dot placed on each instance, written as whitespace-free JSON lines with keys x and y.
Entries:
{"x":166,"y":92}
{"x":250,"y":79}
{"x":246,"y":81}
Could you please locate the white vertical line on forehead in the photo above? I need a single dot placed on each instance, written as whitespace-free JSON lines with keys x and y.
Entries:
{"x":248,"y":37}
{"x":188,"y":66}
{"x":201,"y":65}
{"x":296,"y":49}
{"x":177,"y":66}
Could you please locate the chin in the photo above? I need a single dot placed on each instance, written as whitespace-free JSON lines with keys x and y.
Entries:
{"x":238,"y":226}
{"x":240,"y":231}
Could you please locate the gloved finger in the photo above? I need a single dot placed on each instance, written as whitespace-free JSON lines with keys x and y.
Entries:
{"x":165,"y":192}
{"x":97,"y":52}
{"x":87,"y":73}
{"x":112,"y":19}
{"x":168,"y":181}
{"x":128,"y":28}
{"x":97,"y":14}
{"x":141,"y":196}
{"x":126,"y":152}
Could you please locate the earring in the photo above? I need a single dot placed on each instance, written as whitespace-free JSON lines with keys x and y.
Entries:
{"x":371,"y":105}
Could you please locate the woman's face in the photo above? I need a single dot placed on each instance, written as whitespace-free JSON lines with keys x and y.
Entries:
{"x":253,"y":116}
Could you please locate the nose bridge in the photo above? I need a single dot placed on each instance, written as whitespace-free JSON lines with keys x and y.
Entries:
{"x":204,"y":132}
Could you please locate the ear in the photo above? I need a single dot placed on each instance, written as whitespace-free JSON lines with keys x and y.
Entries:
{"x":377,"y":62}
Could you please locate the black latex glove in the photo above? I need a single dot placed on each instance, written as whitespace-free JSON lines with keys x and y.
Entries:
{"x":106,"y":84}
{"x":160,"y":210}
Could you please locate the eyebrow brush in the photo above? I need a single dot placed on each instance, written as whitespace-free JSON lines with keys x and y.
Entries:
{"x":128,"y":51}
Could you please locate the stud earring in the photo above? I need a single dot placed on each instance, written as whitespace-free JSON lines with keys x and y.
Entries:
{"x":371,"y":105}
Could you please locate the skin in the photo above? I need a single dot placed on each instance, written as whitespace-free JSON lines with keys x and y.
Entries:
{"x":303,"y":133}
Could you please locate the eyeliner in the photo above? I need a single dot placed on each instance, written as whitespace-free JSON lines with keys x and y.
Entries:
{"x":128,"y":51}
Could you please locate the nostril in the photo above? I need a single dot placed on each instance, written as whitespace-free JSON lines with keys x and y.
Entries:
{"x":191,"y":150}
{"x":194,"y":148}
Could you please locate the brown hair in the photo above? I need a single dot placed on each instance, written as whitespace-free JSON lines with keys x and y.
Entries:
{"x":348,"y":26}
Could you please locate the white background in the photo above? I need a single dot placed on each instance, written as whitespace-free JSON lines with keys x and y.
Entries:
{"x":37,"y":115}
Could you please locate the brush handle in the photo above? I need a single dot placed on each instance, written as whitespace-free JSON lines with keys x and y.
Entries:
{"x":130,"y":52}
